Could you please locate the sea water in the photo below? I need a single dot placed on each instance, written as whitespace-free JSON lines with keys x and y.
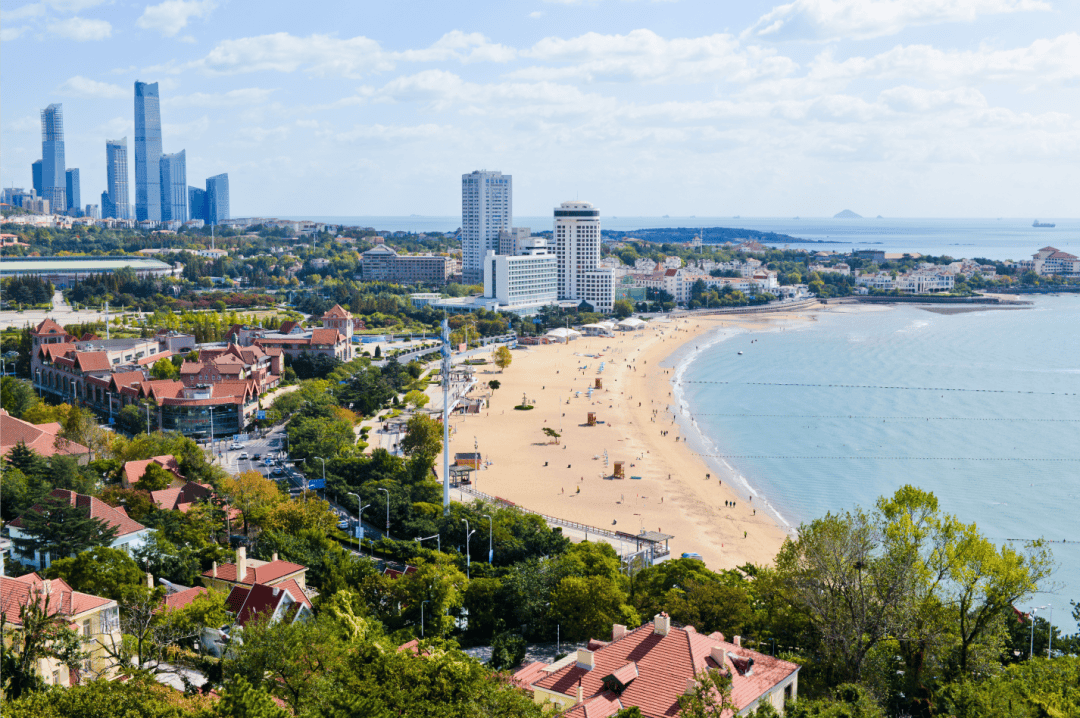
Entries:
{"x":982,"y":408}
{"x":999,"y":239}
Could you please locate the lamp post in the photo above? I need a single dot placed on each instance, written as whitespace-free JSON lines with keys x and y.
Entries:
{"x":468,"y":556}
{"x":437,"y":537}
{"x":1031,"y":650}
{"x":490,"y":552}
{"x":359,"y":520}
{"x":387,"y":492}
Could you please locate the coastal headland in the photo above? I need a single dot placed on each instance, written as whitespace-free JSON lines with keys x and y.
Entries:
{"x":668,"y":487}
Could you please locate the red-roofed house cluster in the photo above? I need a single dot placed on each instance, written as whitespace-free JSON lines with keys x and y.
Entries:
{"x":651,"y":667}
{"x":334,"y":339}
{"x":96,"y":619}
{"x":42,"y":438}
{"x":257,"y":590}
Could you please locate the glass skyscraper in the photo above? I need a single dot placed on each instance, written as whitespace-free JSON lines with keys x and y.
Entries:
{"x":53,"y":180}
{"x":196,"y":200}
{"x":116,"y":199}
{"x":147,"y":152}
{"x":217,"y":198}
{"x":73,"y":194}
{"x":35,"y":169}
{"x":174,"y":194}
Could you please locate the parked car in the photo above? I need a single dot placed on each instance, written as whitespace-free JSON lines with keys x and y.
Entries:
{"x":235,"y":446}
{"x":257,"y":456}
{"x":276,"y":472}
{"x":243,"y":455}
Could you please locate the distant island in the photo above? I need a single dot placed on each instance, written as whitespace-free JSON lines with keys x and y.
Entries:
{"x":847,"y":214}
{"x":709,"y":235}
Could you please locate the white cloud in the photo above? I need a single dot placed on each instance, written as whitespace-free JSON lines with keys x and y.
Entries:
{"x":353,"y":57}
{"x":644,"y":56}
{"x":20,"y":13}
{"x":232,"y":98}
{"x":172,"y":16}
{"x":822,"y":20}
{"x":72,"y":5}
{"x":8,"y":34}
{"x":81,"y":29}
{"x":80,"y":86}
{"x":1053,"y":61}
{"x":536,"y":14}
{"x":396,"y":133}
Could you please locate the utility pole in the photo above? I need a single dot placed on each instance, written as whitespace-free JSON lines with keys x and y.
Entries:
{"x":446,"y":364}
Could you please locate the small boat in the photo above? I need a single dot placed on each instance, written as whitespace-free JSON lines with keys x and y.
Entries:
{"x":740,"y":353}
{"x":1037,"y":223}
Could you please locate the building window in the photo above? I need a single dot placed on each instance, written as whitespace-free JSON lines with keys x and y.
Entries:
{"x":86,"y":632}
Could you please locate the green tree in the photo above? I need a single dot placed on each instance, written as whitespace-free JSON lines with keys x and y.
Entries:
{"x":252,"y":494}
{"x":586,"y":607}
{"x":494,"y":385}
{"x":17,"y":396}
{"x":710,"y":697}
{"x":551,"y":433}
{"x":417,"y":399}
{"x":240,"y":700}
{"x":294,"y":516}
{"x":623,"y":308}
{"x":503,"y":358}
{"x":58,"y":528}
{"x":423,"y":439}
{"x":155,"y":478}
{"x":164,"y":369}
{"x":100,"y":571}
{"x":44,"y":632}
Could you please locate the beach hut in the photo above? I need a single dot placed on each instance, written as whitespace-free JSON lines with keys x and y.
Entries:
{"x":600,"y":329}
{"x":630,"y":324}
{"x":563,"y":335}
{"x":598,"y":383}
{"x":619,"y":472}
{"x":591,"y":420}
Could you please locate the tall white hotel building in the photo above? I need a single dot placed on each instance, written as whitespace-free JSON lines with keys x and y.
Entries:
{"x":577,"y":247}
{"x":486,"y":209}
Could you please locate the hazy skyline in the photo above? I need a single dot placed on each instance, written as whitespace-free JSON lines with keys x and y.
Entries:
{"x":923,"y":108}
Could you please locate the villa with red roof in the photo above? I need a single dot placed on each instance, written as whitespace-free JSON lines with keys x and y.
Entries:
{"x":130,"y":534}
{"x":132,"y":471}
{"x":42,"y":438}
{"x":246,"y":572}
{"x":651,"y":667}
{"x":95,"y":619}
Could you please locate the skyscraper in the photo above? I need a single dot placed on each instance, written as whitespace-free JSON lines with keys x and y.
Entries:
{"x":35,"y":169}
{"x":217,"y":198}
{"x":73,"y":193}
{"x":147,"y":152}
{"x":196,"y":203}
{"x":577,"y":247}
{"x":174,"y":194}
{"x":116,"y":200}
{"x":53,"y":181}
{"x":486,"y":209}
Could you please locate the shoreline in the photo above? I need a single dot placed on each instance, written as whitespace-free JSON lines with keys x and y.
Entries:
{"x":723,"y":517}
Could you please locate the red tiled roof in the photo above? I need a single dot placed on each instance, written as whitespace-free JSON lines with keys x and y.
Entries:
{"x":98,"y":510}
{"x":287,"y":327}
{"x":663,"y":664}
{"x":266,"y":573}
{"x":93,"y":361}
{"x":39,"y":437}
{"x":133,"y":470}
{"x":153,"y":358}
{"x":191,"y":367}
{"x":235,"y":601}
{"x":18,"y":592}
{"x":336,"y":312}
{"x":181,"y":599}
{"x":325,"y":336}
{"x":264,"y":600}
{"x":50,"y":352}
{"x":529,"y":675}
{"x":48,"y":328}
{"x":603,"y":705}
{"x":180,"y":499}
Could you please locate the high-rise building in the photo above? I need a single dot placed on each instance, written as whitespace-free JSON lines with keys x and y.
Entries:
{"x":196,"y":200}
{"x":116,"y":200}
{"x":174,"y":194}
{"x":53,"y":181}
{"x":577,"y":247}
{"x":486,"y":209}
{"x":147,"y":152}
{"x":217,"y":198}
{"x":73,"y":194}
{"x":35,"y":169}
{"x":92,"y":211}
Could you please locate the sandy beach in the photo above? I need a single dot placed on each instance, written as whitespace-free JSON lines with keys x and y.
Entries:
{"x":677,"y":493}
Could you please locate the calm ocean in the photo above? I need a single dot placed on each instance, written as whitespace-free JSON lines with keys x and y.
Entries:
{"x":989,"y":238}
{"x":981,"y":408}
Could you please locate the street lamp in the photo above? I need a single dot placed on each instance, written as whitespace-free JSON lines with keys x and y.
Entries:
{"x":490,"y":552}
{"x":468,"y":556}
{"x":387,"y":492}
{"x":359,"y":520}
{"x":1031,"y":651}
{"x":437,"y":537}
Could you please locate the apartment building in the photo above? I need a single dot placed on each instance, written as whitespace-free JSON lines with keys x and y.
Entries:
{"x":383,"y":264}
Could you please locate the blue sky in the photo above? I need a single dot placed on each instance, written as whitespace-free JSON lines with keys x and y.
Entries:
{"x":916,"y":108}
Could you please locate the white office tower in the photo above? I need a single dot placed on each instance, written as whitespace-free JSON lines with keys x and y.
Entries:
{"x":577,"y":247}
{"x":486,"y":209}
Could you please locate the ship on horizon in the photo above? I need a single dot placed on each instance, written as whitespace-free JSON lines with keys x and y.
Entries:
{"x":1037,"y":223}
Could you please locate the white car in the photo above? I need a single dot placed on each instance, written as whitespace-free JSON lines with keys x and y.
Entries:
{"x":268,"y":462}
{"x":236,"y":447}
{"x":244,"y":455}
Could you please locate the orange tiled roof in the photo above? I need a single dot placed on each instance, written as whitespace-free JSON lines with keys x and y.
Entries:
{"x":133,"y":470}
{"x":92,"y":361}
{"x":18,"y":592}
{"x":98,"y":510}
{"x":42,"y":438}
{"x":267,"y":572}
{"x":181,"y":599}
{"x":48,"y":328}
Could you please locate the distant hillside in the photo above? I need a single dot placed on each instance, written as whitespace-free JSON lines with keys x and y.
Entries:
{"x":710,"y":235}
{"x":847,"y":214}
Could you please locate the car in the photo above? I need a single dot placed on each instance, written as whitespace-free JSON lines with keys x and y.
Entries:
{"x":343,"y":524}
{"x":243,"y":455}
{"x":256,"y":456}
{"x":276,"y":472}
{"x":269,"y":461}
{"x":235,"y":447}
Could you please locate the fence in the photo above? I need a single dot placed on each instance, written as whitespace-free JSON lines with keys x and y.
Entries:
{"x":549,"y":519}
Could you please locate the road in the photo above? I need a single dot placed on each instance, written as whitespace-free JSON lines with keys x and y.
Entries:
{"x":61,"y":313}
